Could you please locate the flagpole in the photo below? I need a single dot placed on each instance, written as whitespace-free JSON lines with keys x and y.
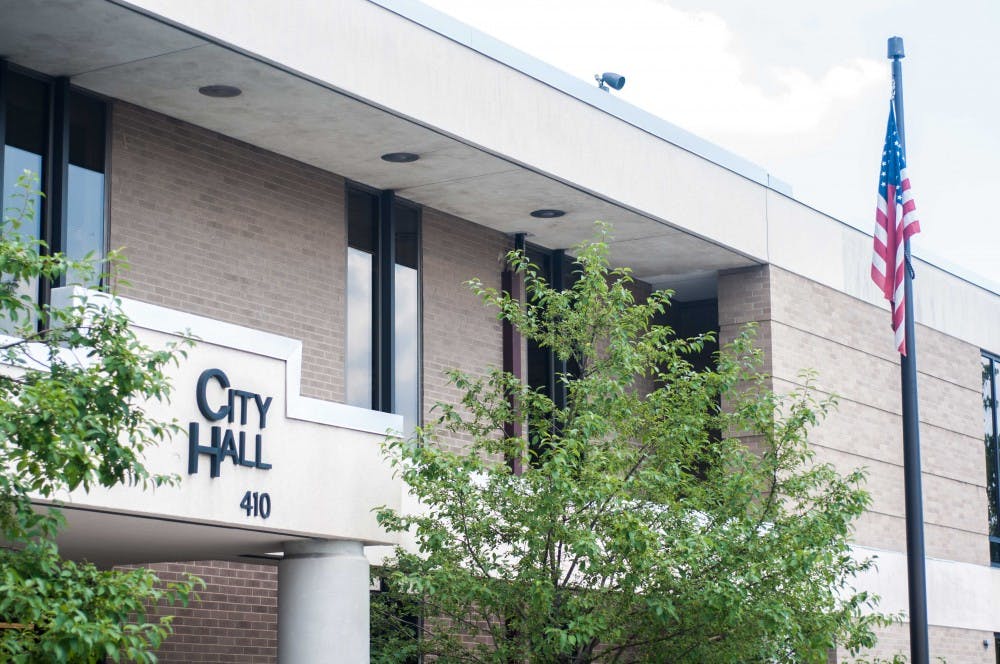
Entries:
{"x":915,"y":556}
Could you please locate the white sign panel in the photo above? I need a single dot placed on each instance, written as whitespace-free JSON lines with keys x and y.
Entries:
{"x":251,"y":451}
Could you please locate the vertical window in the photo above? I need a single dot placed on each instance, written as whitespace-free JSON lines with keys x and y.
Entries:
{"x":362,"y":219}
{"x":84,"y":225}
{"x":991,"y":376}
{"x":406,"y":316}
{"x":541,"y":361}
{"x":383,"y":305}
{"x":25,"y":145}
{"x":545,"y":371}
{"x":58,"y":134}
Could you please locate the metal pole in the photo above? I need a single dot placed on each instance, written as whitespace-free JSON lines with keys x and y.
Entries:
{"x":916,"y":573}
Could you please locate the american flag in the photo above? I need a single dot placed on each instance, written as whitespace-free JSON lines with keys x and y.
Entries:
{"x":895,"y":221}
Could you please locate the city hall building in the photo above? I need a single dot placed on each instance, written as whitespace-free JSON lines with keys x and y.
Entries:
{"x":305,"y":186}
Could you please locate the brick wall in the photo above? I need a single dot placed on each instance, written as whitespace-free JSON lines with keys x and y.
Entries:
{"x":459,"y":332}
{"x":235,"y":621}
{"x":744,"y":298}
{"x":954,"y":646}
{"x":804,"y":325}
{"x":220,"y":228}
{"x":847,"y":342}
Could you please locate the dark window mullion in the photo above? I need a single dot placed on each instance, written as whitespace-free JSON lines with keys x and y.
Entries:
{"x":3,"y":125}
{"x":385,"y":302}
{"x":511,"y":282}
{"x":56,"y":178}
{"x":376,"y":314}
{"x":558,"y":386}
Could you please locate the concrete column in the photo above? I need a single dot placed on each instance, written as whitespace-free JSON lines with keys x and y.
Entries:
{"x":323,"y":603}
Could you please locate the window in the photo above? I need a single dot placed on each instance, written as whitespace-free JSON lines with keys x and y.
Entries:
{"x":59,"y":135}
{"x":691,"y":318}
{"x":383,"y":304}
{"x":991,"y":376}
{"x":545,"y":371}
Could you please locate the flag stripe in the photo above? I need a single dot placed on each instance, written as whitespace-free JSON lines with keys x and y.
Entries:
{"x":895,"y":222}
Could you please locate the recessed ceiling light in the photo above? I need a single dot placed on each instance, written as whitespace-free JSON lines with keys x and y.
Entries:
{"x":220,"y":91}
{"x":400,"y":157}
{"x":547,"y":213}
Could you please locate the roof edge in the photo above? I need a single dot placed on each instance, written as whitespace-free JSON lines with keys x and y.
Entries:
{"x":529,"y":65}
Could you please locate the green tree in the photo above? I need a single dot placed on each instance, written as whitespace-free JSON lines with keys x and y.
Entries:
{"x":639,"y":532}
{"x":71,"y":417}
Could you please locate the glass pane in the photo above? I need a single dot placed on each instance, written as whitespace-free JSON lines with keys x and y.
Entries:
{"x":362,"y":208}
{"x":26,"y":140}
{"x":27,"y":113}
{"x":406,"y":332}
{"x":406,"y":391}
{"x":360,"y":265}
{"x":85,"y":220}
{"x":86,"y":132}
{"x":85,"y":190}
{"x":407,"y":222}
{"x":16,"y":162}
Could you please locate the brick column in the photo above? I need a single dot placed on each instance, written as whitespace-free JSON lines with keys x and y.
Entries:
{"x":745,"y":297}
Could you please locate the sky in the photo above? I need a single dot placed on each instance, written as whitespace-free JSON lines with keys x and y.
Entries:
{"x":801,"y":88}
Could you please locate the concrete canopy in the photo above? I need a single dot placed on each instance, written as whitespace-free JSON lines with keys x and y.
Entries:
{"x":131,"y":54}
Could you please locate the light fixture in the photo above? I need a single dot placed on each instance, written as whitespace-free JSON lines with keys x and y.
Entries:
{"x":220,"y":91}
{"x":547,"y":213}
{"x":400,"y":157}
{"x":617,"y":81}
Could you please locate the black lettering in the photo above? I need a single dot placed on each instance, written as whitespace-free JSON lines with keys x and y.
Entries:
{"x":202,"y":396}
{"x":243,"y":451}
{"x":262,"y":408}
{"x":259,"y":459}
{"x":195,"y":449}
{"x":229,"y":448}
{"x":243,"y":395}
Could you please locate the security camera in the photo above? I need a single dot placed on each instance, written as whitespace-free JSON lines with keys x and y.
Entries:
{"x":617,"y":81}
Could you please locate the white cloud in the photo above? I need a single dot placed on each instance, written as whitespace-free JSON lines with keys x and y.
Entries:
{"x":685,"y":66}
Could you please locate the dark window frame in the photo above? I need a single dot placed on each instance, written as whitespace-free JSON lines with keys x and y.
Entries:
{"x":383,"y":370}
{"x":52,"y":215}
{"x":542,"y":368}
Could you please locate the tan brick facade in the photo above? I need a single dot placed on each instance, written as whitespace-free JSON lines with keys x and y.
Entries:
{"x":847,"y":343}
{"x":806,"y":326}
{"x":745,"y":297}
{"x":459,"y":332}
{"x":955,"y":646}
{"x":219,"y":228}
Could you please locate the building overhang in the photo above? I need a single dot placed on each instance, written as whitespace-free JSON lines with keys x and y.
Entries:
{"x":249,"y":462}
{"x":342,"y":83}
